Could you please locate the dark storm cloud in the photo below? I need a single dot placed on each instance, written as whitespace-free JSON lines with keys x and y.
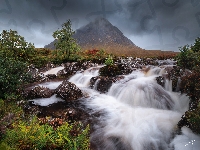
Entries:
{"x":163,"y":24}
{"x":172,"y":23}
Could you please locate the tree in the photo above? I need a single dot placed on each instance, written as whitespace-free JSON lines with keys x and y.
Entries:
{"x":13,"y":73}
{"x":14,"y":46}
{"x":196,"y":46}
{"x":189,"y":56}
{"x":15,"y":52}
{"x":65,"y":43}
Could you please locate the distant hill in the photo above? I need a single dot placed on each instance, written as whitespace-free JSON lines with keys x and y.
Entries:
{"x":101,"y":34}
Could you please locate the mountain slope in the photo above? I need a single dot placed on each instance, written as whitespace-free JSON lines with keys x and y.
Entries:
{"x":101,"y":31}
{"x":101,"y":34}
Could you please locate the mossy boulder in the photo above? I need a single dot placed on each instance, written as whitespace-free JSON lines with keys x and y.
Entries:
{"x":110,"y":71}
{"x":68,"y":91}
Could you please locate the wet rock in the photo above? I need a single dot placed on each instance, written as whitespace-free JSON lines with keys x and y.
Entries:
{"x":160,"y":80}
{"x":68,"y":91}
{"x":72,"y":68}
{"x":125,"y":68}
{"x":103,"y":84}
{"x":36,"y":75}
{"x":175,"y":74}
{"x":57,"y":113}
{"x":110,"y":71}
{"x":38,"y":92}
{"x":47,"y":67}
{"x":51,"y":76}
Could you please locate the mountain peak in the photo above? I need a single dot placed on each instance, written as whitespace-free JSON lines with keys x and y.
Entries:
{"x":101,"y":20}
{"x":101,"y":34}
{"x":101,"y":31}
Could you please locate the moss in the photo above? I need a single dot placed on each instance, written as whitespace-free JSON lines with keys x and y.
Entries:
{"x":110,"y":71}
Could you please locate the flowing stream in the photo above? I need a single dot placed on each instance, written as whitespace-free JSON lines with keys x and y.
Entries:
{"x":137,"y":113}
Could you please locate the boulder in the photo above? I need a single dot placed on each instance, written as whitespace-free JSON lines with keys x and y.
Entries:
{"x":72,"y":68}
{"x":103,"y":84}
{"x":160,"y":80}
{"x":51,"y":76}
{"x":38,"y":92}
{"x":36,"y":75}
{"x":68,"y":91}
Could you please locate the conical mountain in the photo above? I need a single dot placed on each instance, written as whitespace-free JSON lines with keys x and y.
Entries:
{"x":101,"y":34}
{"x":101,"y":31}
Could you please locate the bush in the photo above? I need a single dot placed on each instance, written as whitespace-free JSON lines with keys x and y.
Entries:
{"x":14,"y":46}
{"x":110,"y":71}
{"x":32,"y":135}
{"x":189,"y":56}
{"x":109,"y":61}
{"x":191,"y":119}
{"x":190,"y":84}
{"x":94,"y":55}
{"x":13,"y":74}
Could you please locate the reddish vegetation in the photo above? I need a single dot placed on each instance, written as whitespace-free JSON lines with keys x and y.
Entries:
{"x":120,"y":50}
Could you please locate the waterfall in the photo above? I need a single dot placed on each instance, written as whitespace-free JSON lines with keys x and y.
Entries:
{"x":82,"y":79}
{"x":138,"y":113}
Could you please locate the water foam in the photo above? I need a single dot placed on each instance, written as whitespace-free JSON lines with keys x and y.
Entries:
{"x":137,"y":113}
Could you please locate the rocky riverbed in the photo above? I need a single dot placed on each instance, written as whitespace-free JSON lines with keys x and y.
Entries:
{"x":137,"y":108}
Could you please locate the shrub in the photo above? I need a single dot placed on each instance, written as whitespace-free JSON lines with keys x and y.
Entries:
{"x":190,"y":84}
{"x":14,"y":46}
{"x":94,"y":55}
{"x":110,"y":71}
{"x":12,"y":76}
{"x":189,"y":56}
{"x":196,"y":46}
{"x":109,"y":61}
{"x":32,"y":135}
{"x":191,"y":119}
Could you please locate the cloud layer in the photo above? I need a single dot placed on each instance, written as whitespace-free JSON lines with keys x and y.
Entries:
{"x":164,"y":24}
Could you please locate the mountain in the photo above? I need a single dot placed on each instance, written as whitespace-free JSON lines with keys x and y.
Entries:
{"x":101,"y":31}
{"x":101,"y":34}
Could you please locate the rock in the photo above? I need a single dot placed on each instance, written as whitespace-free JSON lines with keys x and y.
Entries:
{"x":103,"y":84}
{"x":68,"y":91}
{"x":38,"y":92}
{"x":160,"y":80}
{"x":71,"y":68}
{"x":110,"y":71}
{"x":51,"y":76}
{"x":36,"y":75}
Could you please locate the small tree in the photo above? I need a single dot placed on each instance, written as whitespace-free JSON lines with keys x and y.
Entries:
{"x":196,"y":46}
{"x":13,"y":73}
{"x":14,"y":53}
{"x":65,"y":43}
{"x":14,"y":46}
{"x":189,"y":56}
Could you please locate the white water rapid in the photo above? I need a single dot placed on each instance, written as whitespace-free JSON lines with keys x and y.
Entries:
{"x":137,"y":113}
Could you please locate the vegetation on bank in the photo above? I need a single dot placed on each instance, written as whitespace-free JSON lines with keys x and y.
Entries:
{"x":35,"y":135}
{"x":189,"y":58}
{"x":19,"y":131}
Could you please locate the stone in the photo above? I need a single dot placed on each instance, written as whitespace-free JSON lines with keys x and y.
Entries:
{"x":68,"y":91}
{"x":103,"y":84}
{"x":38,"y":92}
{"x":51,"y":76}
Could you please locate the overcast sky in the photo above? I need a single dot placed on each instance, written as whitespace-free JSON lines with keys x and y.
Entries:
{"x":150,"y":24}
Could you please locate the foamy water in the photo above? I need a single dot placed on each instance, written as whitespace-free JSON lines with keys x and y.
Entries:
{"x":53,"y":70}
{"x":139,"y":114}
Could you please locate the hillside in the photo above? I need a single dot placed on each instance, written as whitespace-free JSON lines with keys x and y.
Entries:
{"x":101,"y":34}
